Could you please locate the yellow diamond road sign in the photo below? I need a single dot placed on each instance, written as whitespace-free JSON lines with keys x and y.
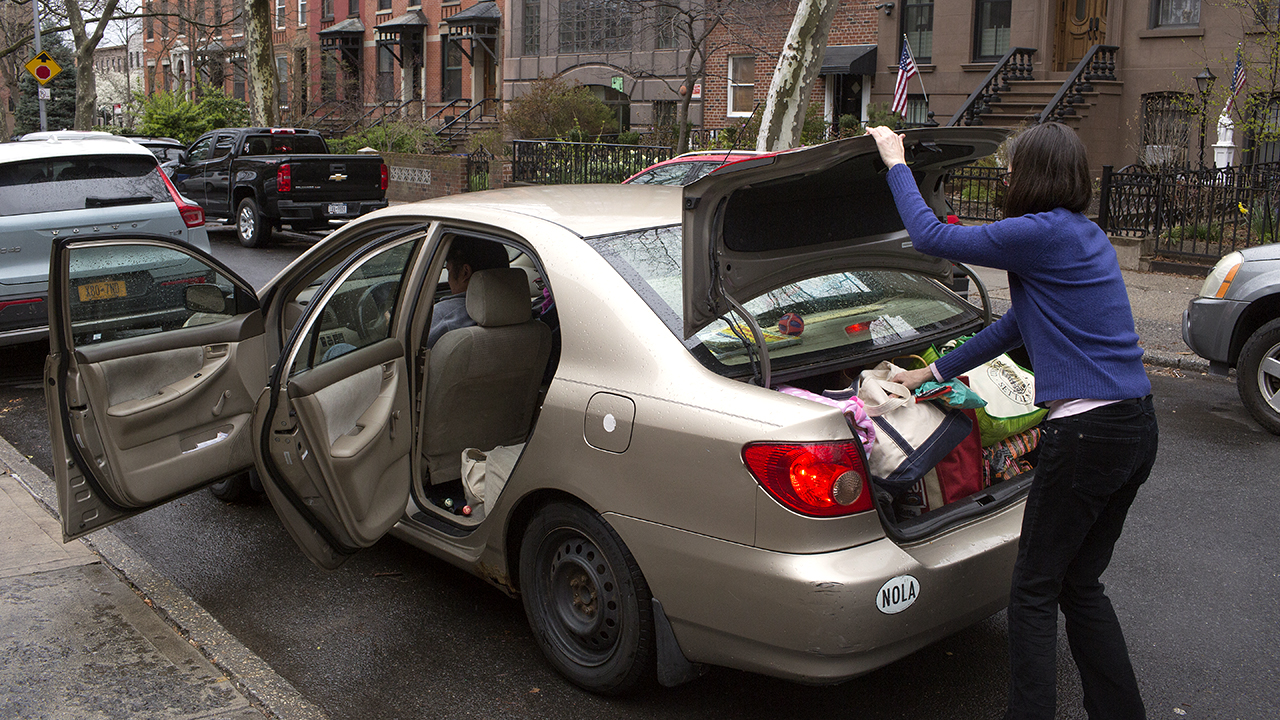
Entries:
{"x":43,"y":68}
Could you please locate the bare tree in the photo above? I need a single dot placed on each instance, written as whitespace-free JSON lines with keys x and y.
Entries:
{"x":795,"y":74}
{"x":85,"y":44}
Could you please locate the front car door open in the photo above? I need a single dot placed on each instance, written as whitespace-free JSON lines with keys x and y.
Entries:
{"x":333,"y":432}
{"x":155,"y":361}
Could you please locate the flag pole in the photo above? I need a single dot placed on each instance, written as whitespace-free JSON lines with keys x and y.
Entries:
{"x":919,"y":76}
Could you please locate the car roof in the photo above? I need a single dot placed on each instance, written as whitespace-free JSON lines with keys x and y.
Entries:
{"x":70,"y":145}
{"x":585,"y":210}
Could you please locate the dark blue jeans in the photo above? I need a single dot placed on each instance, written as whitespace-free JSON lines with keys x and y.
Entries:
{"x":1088,"y":474}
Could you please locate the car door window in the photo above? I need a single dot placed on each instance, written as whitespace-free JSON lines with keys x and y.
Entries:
{"x":200,"y":151}
{"x":130,"y":290}
{"x":664,"y":175}
{"x":357,"y":311}
{"x":223,"y":144}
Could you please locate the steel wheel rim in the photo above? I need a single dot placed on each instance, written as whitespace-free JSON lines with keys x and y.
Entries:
{"x":1269,"y":377}
{"x":582,"y":598}
{"x":246,"y":223}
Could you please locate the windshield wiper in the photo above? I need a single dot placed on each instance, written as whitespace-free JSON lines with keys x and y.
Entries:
{"x":98,"y":202}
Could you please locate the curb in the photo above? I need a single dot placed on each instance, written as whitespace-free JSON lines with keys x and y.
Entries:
{"x":1189,"y":363}
{"x":252,"y":676}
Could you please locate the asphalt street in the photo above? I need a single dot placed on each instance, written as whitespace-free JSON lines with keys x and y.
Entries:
{"x":396,"y":633}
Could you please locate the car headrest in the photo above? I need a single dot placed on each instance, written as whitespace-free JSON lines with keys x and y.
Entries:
{"x":499,"y":296}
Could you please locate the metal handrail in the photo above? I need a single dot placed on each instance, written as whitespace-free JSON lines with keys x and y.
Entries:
{"x":470,"y":120}
{"x":383,"y":107}
{"x":1097,"y":64}
{"x":438,"y":113}
{"x":1015,"y":65}
{"x":315,"y":112}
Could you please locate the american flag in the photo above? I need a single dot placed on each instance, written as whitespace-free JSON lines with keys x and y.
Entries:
{"x":906,"y":71}
{"x":1237,"y":79}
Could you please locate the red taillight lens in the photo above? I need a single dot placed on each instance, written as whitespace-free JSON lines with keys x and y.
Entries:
{"x":284,"y":178}
{"x":192,"y":215}
{"x":818,"y":479}
{"x":382,"y":179}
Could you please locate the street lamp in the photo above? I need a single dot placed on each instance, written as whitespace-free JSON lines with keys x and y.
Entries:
{"x":1204,"y":84}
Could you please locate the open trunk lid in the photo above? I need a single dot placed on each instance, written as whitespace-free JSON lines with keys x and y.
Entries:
{"x":761,"y":223}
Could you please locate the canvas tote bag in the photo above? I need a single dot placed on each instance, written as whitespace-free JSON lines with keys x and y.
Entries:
{"x":911,"y":437}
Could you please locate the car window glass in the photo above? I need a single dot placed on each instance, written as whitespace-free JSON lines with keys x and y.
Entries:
{"x":200,"y":151}
{"x":665,"y":175}
{"x":223,"y":145}
{"x":703,"y":170}
{"x":282,"y":144}
{"x":124,"y":291}
{"x":835,"y":314}
{"x":85,"y":181}
{"x":359,"y":311}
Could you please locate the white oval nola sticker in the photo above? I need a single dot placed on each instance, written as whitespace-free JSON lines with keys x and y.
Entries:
{"x":897,"y":594}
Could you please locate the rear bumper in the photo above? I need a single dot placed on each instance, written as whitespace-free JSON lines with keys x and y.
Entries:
{"x":317,"y":214}
{"x":814,"y":618}
{"x":23,"y":317}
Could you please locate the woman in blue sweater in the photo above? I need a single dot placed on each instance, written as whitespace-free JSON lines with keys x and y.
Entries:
{"x":1071,"y":312}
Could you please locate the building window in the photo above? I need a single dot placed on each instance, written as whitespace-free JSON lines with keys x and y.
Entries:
{"x":665,"y":33}
{"x":917,"y":112}
{"x":353,"y":8}
{"x":742,"y":84}
{"x":302,"y":13}
{"x":451,"y":75}
{"x":386,"y":73}
{"x":991,"y":29}
{"x":326,"y":9}
{"x":531,"y":33}
{"x":594,"y":26}
{"x":1175,"y":13}
{"x":280,"y":14}
{"x":151,"y":23}
{"x":917,"y":25}
{"x":1167,"y":118}
{"x":1262,"y":141}
{"x":164,"y":19}
{"x":282,"y":81}
{"x":384,"y":5}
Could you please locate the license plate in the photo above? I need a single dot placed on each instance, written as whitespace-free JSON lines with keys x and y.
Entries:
{"x":337,"y":208}
{"x":105,"y":290}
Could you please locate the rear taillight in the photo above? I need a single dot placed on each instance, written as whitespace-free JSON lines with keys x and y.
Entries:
{"x":382,"y":177}
{"x":284,"y":178}
{"x":192,"y":214}
{"x":818,"y":479}
{"x":25,"y":301}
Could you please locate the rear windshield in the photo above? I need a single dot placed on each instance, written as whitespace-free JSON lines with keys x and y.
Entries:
{"x":834,"y":316}
{"x":74,"y":183}
{"x":284,"y":145}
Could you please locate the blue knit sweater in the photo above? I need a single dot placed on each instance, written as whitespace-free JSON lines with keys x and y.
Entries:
{"x":1070,"y":306}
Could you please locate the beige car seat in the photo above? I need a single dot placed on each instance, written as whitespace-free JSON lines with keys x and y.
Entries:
{"x":483,"y":381}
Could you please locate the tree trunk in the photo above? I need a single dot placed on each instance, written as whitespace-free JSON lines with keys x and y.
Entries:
{"x":85,"y":45}
{"x":793,"y":78}
{"x":261,"y":70}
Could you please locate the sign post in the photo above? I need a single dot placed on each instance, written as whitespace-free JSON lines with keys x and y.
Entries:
{"x":35,"y":27}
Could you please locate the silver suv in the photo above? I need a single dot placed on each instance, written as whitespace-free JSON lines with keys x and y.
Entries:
{"x":83,"y":184}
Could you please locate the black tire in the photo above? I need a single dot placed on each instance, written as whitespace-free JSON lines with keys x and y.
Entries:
{"x":587,"y":602}
{"x":1258,"y":376}
{"x":236,"y":488}
{"x":251,"y":229}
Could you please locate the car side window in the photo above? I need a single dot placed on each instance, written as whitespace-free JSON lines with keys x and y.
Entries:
{"x":358,"y":311}
{"x":131,"y":290}
{"x":200,"y":151}
{"x":666,"y":175}
{"x":223,"y":144}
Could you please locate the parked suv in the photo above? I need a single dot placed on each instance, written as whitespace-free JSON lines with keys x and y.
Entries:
{"x":81,"y":184}
{"x":1235,"y":323}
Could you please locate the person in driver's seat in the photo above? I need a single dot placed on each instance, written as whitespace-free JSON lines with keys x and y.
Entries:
{"x":466,"y":257}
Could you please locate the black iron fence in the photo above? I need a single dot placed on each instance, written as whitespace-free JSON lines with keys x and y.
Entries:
{"x":976,"y":193}
{"x":1194,"y":215}
{"x":478,"y":169}
{"x":552,"y":162}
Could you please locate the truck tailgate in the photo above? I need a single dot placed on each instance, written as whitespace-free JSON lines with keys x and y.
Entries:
{"x":335,"y":177}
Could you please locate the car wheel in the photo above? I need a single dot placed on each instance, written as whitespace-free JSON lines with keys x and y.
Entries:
{"x":587,"y":601}
{"x":233,"y":489}
{"x":1258,"y":376}
{"x":250,"y":228}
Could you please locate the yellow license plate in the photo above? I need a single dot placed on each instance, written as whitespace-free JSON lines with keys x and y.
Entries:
{"x":105,"y":290}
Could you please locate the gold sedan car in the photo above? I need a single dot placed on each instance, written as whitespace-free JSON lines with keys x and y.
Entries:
{"x":600,"y":436}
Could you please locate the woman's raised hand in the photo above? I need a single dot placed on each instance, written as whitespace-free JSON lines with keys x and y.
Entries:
{"x":890,"y":145}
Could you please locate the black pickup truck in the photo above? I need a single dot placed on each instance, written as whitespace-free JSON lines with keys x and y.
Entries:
{"x":264,"y":178}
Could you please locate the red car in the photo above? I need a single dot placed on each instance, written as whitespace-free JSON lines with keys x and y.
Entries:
{"x":684,"y":169}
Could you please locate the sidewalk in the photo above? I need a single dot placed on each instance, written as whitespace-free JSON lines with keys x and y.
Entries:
{"x":79,"y":643}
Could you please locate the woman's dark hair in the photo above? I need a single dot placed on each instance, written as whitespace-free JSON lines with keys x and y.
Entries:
{"x":479,"y":254}
{"x":1050,"y":171}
